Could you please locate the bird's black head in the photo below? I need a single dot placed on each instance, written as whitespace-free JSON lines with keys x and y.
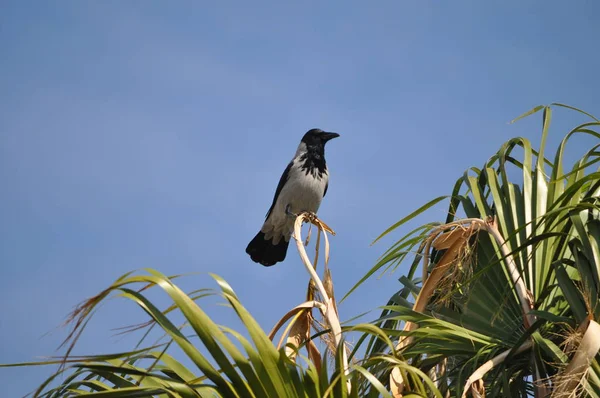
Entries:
{"x":312,"y":151}
{"x":317,"y":137}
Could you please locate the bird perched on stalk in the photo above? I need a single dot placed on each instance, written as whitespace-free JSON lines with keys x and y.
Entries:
{"x":301,"y":188}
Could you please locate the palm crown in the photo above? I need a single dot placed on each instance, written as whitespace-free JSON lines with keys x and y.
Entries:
{"x":501,"y":298}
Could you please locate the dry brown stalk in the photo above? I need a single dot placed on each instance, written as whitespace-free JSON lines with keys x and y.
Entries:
{"x":454,"y":238}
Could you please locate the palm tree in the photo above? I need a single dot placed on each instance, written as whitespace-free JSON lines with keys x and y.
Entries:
{"x":507,"y":299}
{"x":506,"y":303}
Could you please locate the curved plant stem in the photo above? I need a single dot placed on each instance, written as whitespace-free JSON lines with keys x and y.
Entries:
{"x":329,"y":313}
{"x":489,"y":365}
{"x":571,"y":376}
{"x":302,"y":251}
{"x":299,"y":308}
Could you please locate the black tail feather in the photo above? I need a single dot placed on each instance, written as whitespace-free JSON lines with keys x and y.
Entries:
{"x":264,"y":252}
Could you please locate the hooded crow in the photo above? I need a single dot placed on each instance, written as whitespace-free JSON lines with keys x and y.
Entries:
{"x":301,"y":188}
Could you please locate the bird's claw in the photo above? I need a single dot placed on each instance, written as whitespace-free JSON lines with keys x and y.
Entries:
{"x":312,"y":216}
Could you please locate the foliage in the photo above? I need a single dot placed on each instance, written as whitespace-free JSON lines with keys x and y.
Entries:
{"x":519,"y":282}
{"x":501,"y":298}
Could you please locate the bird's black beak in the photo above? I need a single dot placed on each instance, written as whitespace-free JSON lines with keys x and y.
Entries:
{"x":329,"y":136}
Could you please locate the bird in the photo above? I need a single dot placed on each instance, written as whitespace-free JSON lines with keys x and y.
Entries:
{"x":301,"y":188}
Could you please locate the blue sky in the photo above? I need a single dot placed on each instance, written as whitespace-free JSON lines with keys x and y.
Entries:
{"x":152,"y":134}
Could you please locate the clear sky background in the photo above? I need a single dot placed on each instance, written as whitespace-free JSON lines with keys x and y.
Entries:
{"x":153,"y":134}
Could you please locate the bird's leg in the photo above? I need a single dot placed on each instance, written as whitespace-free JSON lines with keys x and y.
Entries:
{"x":289,"y":213}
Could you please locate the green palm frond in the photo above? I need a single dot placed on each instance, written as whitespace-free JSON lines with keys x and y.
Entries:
{"x":549,"y":222}
{"x":220,"y":366}
{"x":217,"y":361}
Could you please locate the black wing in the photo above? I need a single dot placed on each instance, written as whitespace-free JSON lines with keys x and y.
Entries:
{"x":326,"y":186}
{"x":282,"y":181}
